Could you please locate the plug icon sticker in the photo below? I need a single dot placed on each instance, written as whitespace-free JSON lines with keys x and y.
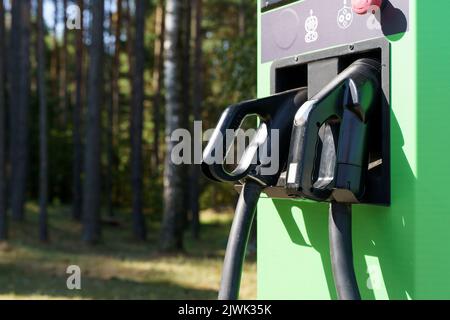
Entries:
{"x":311,"y":25}
{"x":345,"y":16}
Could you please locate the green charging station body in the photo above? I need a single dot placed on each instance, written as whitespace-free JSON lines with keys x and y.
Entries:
{"x":402,"y":243}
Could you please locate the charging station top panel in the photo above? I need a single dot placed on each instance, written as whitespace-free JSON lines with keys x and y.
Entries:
{"x":312,"y":25}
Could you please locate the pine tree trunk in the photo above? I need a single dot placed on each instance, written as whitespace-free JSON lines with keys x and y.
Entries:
{"x":130,"y":40}
{"x":63,"y":88}
{"x":43,"y":154}
{"x":108,"y":177}
{"x":116,"y":69}
{"x":129,"y":27}
{"x":186,"y":92}
{"x":172,"y":234}
{"x":56,"y":54}
{"x":77,"y":112}
{"x":139,"y":228}
{"x":158,"y":80}
{"x":241,"y":18}
{"x":92,"y":188}
{"x":113,"y":114}
{"x":3,"y":206}
{"x":19,"y":98}
{"x":197,"y":102}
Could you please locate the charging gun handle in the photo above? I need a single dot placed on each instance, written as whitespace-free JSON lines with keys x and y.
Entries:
{"x":220,"y":143}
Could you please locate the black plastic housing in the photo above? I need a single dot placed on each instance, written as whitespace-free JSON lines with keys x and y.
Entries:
{"x":336,"y":118}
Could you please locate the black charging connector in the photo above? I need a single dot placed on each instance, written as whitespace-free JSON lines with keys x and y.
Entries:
{"x":336,"y":170}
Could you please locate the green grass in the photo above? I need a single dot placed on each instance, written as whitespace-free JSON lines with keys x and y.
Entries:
{"x":119,"y":268}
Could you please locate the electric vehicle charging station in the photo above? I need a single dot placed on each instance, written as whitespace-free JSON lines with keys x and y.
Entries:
{"x":400,"y":220}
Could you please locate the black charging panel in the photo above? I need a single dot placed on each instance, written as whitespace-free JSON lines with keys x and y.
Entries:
{"x":297,"y":71}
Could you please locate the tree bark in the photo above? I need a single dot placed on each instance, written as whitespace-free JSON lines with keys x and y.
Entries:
{"x":77,"y":112}
{"x":56,"y":55}
{"x":3,"y":206}
{"x":186,"y":93}
{"x":129,"y":27}
{"x":43,"y":146}
{"x":158,"y":71}
{"x":92,"y":189}
{"x":113,"y":114}
{"x":197,"y":103}
{"x":19,"y":98}
{"x":116,"y":69}
{"x":139,"y":228}
{"x":171,"y":238}
{"x":130,"y":39}
{"x":241,"y":19}
{"x":63,"y":88}
{"x":108,"y":177}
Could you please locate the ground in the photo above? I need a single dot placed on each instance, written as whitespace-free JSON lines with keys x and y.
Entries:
{"x":119,"y":268}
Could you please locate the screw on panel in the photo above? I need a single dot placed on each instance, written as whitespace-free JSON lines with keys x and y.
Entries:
{"x":351,"y":47}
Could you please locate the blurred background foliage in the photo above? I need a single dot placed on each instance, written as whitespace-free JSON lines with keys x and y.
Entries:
{"x":223,"y":36}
